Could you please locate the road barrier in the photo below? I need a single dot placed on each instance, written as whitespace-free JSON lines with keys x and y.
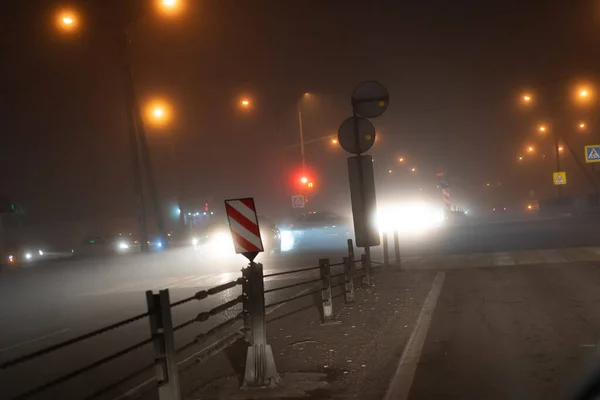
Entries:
{"x":249,"y":324}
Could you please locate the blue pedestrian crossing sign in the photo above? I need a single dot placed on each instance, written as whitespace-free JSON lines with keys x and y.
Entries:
{"x":298,"y":201}
{"x":592,"y":153}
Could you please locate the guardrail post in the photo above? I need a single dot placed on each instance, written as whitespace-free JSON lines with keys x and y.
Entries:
{"x":366,"y":265}
{"x":161,"y":329}
{"x":246,"y":292}
{"x":350,"y":249}
{"x":326,"y":289}
{"x":386,"y":253}
{"x":349,"y":276}
{"x":397,"y":248}
{"x":260,"y":364}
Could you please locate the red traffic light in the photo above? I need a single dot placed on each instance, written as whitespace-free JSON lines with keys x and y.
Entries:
{"x":304,"y":180}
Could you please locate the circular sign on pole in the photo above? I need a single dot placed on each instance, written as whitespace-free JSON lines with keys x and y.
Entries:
{"x":347,"y":138}
{"x":370,"y":99}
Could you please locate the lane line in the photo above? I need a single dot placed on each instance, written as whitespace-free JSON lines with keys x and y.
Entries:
{"x":15,"y":346}
{"x":401,"y":383}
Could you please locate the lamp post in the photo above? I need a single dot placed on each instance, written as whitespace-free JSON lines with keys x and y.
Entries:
{"x":68,"y":21}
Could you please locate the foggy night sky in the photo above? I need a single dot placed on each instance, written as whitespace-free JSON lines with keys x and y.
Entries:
{"x":454,"y":71}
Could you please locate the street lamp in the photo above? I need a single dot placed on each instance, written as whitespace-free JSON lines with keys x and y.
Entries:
{"x":401,"y":159}
{"x":169,"y":7}
{"x":68,"y":21}
{"x":530,"y":149}
{"x":542,"y":128}
{"x":582,"y":125}
{"x":334,"y":141}
{"x":526,"y":98}
{"x":413,"y":169}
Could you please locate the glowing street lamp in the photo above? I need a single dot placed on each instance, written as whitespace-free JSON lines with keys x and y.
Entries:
{"x":560,"y":148}
{"x":401,"y":159}
{"x":530,"y":149}
{"x":542,"y":128}
{"x":67,"y":21}
{"x":526,"y":98}
{"x":520,"y":158}
{"x":582,"y":125}
{"x":334,"y":141}
{"x":158,"y":113}
{"x":169,"y":7}
{"x":413,"y":169}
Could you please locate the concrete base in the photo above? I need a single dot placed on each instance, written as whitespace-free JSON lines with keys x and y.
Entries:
{"x":294,"y":385}
{"x":260,"y":367}
{"x":330,"y":322}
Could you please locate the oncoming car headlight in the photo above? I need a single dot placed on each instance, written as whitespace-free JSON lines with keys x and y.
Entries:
{"x":409,"y":218}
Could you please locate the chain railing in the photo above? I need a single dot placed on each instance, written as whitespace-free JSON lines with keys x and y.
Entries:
{"x":249,"y":324}
{"x":161,"y":338}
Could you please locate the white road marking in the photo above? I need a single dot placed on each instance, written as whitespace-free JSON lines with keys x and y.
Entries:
{"x":503,"y":259}
{"x":553,"y":256}
{"x":401,"y":383}
{"x":15,"y":346}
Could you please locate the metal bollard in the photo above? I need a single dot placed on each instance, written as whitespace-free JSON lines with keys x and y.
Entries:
{"x":326,"y":290}
{"x":350,"y":249}
{"x":260,"y":364}
{"x":366,"y":264}
{"x":161,"y":330}
{"x":397,"y":248}
{"x":349,"y":280}
{"x":386,"y":252}
{"x":246,"y":292}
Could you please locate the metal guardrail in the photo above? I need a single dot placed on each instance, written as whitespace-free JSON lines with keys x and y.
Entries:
{"x":161,"y":336}
{"x":260,"y":368}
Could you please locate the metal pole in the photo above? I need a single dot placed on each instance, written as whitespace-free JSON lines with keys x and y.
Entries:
{"x":246,"y":304}
{"x":301,"y":137}
{"x":386,"y":254}
{"x":326,"y":289}
{"x":149,"y":171}
{"x":350,"y":250}
{"x":557,"y":156}
{"x":349,"y":280}
{"x":140,"y":203}
{"x":366,"y":265}
{"x":161,"y":329}
{"x":397,"y":248}
{"x":260,"y":364}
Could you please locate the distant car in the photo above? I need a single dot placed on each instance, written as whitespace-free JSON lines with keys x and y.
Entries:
{"x":24,"y":254}
{"x":215,"y":238}
{"x":316,"y":228}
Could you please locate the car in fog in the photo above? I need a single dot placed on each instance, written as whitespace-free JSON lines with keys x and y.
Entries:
{"x":216,"y":241}
{"x":25,"y":254}
{"x":315,"y":229}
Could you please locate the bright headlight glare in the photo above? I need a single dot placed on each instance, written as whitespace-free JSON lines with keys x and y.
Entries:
{"x":194,"y":241}
{"x":40,"y":252}
{"x":28,"y":256}
{"x":409,"y":218}
{"x":123,"y":246}
{"x":287,"y":240}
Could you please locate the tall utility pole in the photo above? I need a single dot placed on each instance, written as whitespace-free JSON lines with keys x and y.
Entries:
{"x":301,"y":136}
{"x":132,"y":127}
{"x":557,"y":156}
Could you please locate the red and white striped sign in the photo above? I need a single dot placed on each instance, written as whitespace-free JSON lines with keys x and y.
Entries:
{"x":243,"y":223}
{"x":446,"y":195}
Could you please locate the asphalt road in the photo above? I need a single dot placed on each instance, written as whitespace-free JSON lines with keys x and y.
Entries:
{"x":515,"y":332}
{"x":480,"y":310}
